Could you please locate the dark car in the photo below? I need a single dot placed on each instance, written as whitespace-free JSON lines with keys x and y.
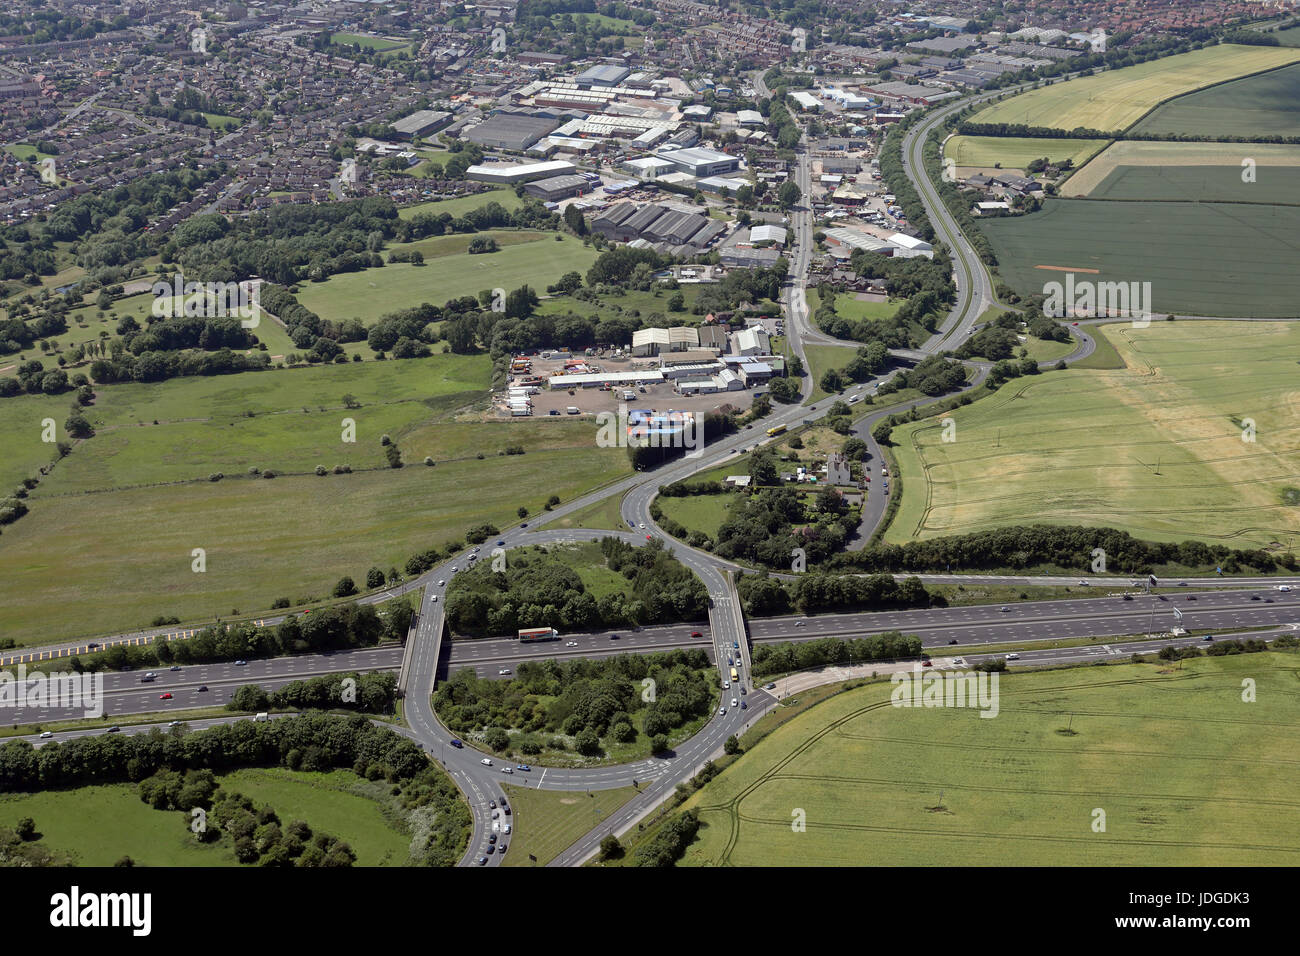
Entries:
{"x":953,"y":641}
{"x":203,"y":688}
{"x":92,"y":645}
{"x":455,"y":743}
{"x":524,"y":525}
{"x":613,"y":637}
{"x":482,"y":861}
{"x":492,"y":838}
{"x":1208,"y":637}
{"x":114,"y":729}
{"x":491,"y":849}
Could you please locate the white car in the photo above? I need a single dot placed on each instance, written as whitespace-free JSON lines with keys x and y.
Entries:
{"x":571,"y":644}
{"x":47,"y":735}
{"x":433,"y":599}
{"x":1013,"y":657}
{"x":504,"y":670}
{"x":726,"y":685}
{"x":960,"y":661}
{"x":507,"y":769}
{"x":722,"y":712}
{"x":642,"y":526}
{"x":506,"y":828}
{"x":800,"y":623}
{"x":1284,"y":587}
{"x":733,"y":702}
{"x":453,"y":569}
{"x":442,"y":584}
{"x":486,"y":761}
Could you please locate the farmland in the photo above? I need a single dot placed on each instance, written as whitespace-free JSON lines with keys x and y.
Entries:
{"x":506,"y":198}
{"x":1264,"y":105}
{"x":110,"y":532}
{"x":1185,"y":773}
{"x":372,"y":292}
{"x":1208,"y":172}
{"x":1116,"y":99}
{"x":1200,"y":258}
{"x":99,"y":825}
{"x":1154,"y":448}
{"x":1012,"y":152}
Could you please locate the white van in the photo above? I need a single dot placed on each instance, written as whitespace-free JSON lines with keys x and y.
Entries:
{"x":262,"y":717}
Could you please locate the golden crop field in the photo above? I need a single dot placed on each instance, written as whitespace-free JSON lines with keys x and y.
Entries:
{"x":1155,"y":448}
{"x":1117,"y":99}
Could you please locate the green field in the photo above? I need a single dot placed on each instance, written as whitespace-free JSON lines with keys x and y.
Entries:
{"x":848,"y":305}
{"x":1010,"y":152}
{"x":463,"y":204}
{"x":698,"y":512}
{"x":1185,"y":772}
{"x":372,"y":292}
{"x":1116,"y":99}
{"x":1264,"y":105}
{"x":1200,"y":258}
{"x":99,"y":825}
{"x":109,"y":534}
{"x":547,"y":822}
{"x":1154,"y":448}
{"x":1195,"y":172}
{"x":1288,"y":37}
{"x":339,"y":803}
{"x":821,"y":358}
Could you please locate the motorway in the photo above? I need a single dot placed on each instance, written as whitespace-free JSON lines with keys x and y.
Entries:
{"x":480,"y":775}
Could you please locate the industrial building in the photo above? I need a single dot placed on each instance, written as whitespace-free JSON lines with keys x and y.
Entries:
{"x":700,"y":162}
{"x":516,"y":131}
{"x":602,"y":75}
{"x":658,"y":225}
{"x":654,"y":341}
{"x":420,"y":124}
{"x":806,"y":100}
{"x":525,"y":173}
{"x":556,"y":188}
{"x":753,"y":341}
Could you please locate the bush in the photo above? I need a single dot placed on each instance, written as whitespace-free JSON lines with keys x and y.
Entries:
{"x":345,"y":588}
{"x":320,"y":470}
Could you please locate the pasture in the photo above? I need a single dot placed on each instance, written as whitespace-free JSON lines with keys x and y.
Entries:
{"x":506,"y":198}
{"x":1205,"y":172}
{"x":1154,"y":448}
{"x":107,"y":531}
{"x":1013,"y":152}
{"x":1267,"y":104}
{"x":99,"y":825}
{"x":1225,"y":259}
{"x":1116,"y":99}
{"x":1185,"y":773}
{"x":370,"y":293}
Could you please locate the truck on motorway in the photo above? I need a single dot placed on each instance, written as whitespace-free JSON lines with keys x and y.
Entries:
{"x":528,"y":635}
{"x":734,"y":675}
{"x":776,"y":430}
{"x":572,"y":410}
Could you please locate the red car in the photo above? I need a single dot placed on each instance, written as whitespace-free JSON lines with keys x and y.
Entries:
{"x":164,"y":696}
{"x":696,"y":634}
